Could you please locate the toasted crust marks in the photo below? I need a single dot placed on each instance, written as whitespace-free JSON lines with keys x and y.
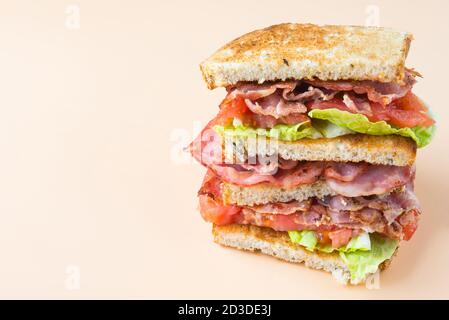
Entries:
{"x":264,"y":193}
{"x":278,"y":244}
{"x":388,"y":150}
{"x":307,"y":51}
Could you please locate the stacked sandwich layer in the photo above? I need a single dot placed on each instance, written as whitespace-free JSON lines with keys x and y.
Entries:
{"x":314,"y":169}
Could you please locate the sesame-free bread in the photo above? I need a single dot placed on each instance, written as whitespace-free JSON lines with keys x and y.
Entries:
{"x":388,"y":150}
{"x":278,"y":244}
{"x":308,"y":51}
{"x":265,"y":193}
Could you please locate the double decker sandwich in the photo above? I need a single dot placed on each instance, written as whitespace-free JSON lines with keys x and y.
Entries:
{"x":310,"y":158}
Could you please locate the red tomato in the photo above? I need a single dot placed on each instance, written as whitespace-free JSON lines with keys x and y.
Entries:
{"x":340,"y":237}
{"x":409,"y":111}
{"x":408,"y":118}
{"x":410,"y":102}
{"x":410,"y":228}
{"x":211,"y":184}
{"x":406,"y":112}
{"x":323,"y":237}
{"x":235,"y":108}
{"x":380,"y":113}
{"x":213,"y":211}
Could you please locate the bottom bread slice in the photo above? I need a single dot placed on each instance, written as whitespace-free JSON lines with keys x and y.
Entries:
{"x":278,"y":244}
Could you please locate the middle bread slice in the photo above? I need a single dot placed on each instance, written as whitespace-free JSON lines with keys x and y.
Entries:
{"x":266,"y":193}
{"x":386,"y":150}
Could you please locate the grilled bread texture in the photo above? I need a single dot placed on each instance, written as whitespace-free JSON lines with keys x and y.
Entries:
{"x":278,"y":244}
{"x":308,"y":51}
{"x":388,"y":150}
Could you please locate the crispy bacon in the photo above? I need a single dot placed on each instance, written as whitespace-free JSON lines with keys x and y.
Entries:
{"x":380,"y":92}
{"x":266,"y":105}
{"x":303,"y":216}
{"x":283,"y":207}
{"x":345,"y":171}
{"x":377,"y":179}
{"x":348,"y":179}
{"x":330,"y":213}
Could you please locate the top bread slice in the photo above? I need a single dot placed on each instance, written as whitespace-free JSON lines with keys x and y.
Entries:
{"x":307,"y":51}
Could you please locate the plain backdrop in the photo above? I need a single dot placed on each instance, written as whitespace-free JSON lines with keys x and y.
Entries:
{"x":96,"y":199}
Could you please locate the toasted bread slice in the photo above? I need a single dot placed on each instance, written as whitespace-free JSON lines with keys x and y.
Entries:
{"x":278,"y":244}
{"x":307,"y":51}
{"x":388,"y":150}
{"x":265,"y":193}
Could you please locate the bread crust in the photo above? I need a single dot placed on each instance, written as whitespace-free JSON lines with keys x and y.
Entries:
{"x":278,"y":245}
{"x":308,"y":51}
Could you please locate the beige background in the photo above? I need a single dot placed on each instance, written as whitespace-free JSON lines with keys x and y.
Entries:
{"x":95,"y":202}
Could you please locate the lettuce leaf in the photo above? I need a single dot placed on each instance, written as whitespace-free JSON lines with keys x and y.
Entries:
{"x":361,"y":263}
{"x":362,"y":254}
{"x":330,"y":130}
{"x":282,"y":132}
{"x":361,"y":242}
{"x":285,"y":132}
{"x":309,"y":240}
{"x":306,"y":238}
{"x":360,"y":123}
{"x":329,"y":123}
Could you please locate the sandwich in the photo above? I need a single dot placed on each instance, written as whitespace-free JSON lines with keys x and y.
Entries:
{"x":310,"y":158}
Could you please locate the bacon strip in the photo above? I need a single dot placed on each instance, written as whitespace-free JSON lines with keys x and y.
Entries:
{"x":283,"y":99}
{"x":290,"y":216}
{"x":348,"y":179}
{"x":375,"y":180}
{"x":369,"y":214}
{"x":380,"y":92}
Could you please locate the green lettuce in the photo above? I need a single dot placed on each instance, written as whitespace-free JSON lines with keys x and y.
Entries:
{"x":285,"y":132}
{"x":282,"y":132}
{"x":361,"y":263}
{"x":329,"y":123}
{"x":360,"y":123}
{"x":306,"y":238}
{"x":362,"y":254}
{"x":309,"y":240}
{"x":329,"y":130}
{"x":361,"y":242}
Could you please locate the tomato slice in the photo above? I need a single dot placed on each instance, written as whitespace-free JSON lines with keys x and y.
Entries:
{"x":406,"y":112}
{"x":410,"y":102}
{"x":340,"y":237}
{"x":236,"y":108}
{"x":409,"y":111}
{"x":211,"y":184}
{"x":408,"y":118}
{"x":410,"y":228}
{"x":213,"y":211}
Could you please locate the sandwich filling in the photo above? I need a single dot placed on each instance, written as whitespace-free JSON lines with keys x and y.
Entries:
{"x":364,"y":231}
{"x":344,"y":178}
{"x":372,"y":209}
{"x":292,"y":110}
{"x":335,"y":219}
